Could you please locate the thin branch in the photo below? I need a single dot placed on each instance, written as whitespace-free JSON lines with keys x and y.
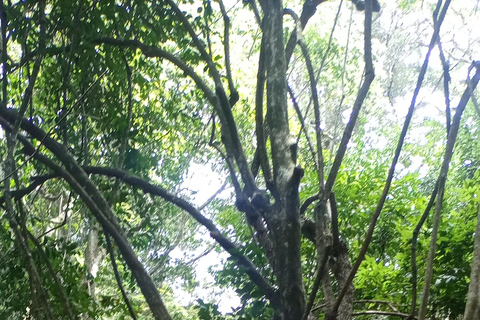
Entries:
{"x":378,"y":210}
{"x":416,"y":232}
{"x":213,"y":196}
{"x":362,"y":94}
{"x":124,"y":142}
{"x":452,"y":136}
{"x":58,"y":226}
{"x":381,"y":313}
{"x":308,"y":10}
{"x":113,"y":194}
{"x":196,"y":41}
{"x":230,"y":166}
{"x":371,"y":301}
{"x":201,"y":255}
{"x":388,"y":303}
{"x":117,"y":276}
{"x":329,"y":45}
{"x":303,"y":128}
{"x":259,"y":118}
{"x":148,"y":188}
{"x":53,"y":273}
{"x":256,"y":12}
{"x":314,"y":96}
{"x":446,"y":80}
{"x":226,"y":44}
{"x":316,"y":284}
{"x":83,"y":186}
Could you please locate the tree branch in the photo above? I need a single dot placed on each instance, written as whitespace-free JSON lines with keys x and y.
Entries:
{"x":259,"y":118}
{"x":446,"y":80}
{"x":80,"y":183}
{"x":316,"y":283}
{"x":225,"y":112}
{"x":416,"y":232}
{"x":302,"y":118}
{"x":452,"y":136}
{"x":53,"y":273}
{"x":362,"y":94}
{"x":147,"y":187}
{"x":308,"y":10}
{"x":316,"y":105}
{"x":401,"y":140}
{"x":226,"y":44}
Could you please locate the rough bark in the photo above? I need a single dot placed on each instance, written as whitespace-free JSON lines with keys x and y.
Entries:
{"x":284,"y":215}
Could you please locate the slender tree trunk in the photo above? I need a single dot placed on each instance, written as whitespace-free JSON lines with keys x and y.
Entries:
{"x":472,"y":309}
{"x":341,"y":266}
{"x":341,"y":270}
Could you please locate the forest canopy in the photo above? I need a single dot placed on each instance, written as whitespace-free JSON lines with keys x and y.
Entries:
{"x":235,"y":160}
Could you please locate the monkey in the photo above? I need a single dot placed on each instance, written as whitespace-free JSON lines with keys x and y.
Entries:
{"x":360,"y":5}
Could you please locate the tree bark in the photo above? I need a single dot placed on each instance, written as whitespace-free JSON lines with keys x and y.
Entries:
{"x":284,"y":215}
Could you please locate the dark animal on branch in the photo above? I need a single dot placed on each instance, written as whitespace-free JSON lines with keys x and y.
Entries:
{"x":360,"y":5}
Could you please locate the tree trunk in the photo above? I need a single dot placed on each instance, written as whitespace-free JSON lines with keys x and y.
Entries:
{"x":284,"y":215}
{"x":472,"y":309}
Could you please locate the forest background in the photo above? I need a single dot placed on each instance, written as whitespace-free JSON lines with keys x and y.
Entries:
{"x":240,"y":159}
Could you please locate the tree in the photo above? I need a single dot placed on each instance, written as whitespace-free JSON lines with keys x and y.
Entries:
{"x":115,"y":99}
